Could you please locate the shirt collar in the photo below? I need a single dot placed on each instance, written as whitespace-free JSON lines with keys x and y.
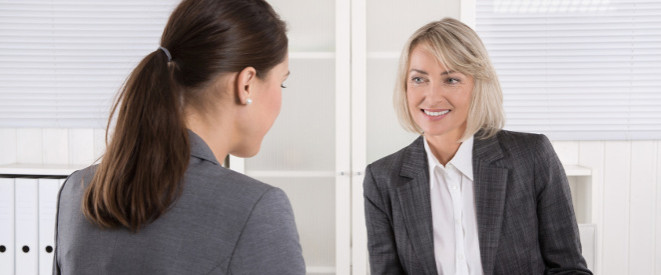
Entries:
{"x":200,"y":149}
{"x":462,"y":160}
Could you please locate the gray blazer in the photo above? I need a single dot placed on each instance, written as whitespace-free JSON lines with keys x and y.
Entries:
{"x":223,"y":223}
{"x":526,"y":223}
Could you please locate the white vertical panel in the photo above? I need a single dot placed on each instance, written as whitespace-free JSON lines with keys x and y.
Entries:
{"x":567,"y":151}
{"x":27,"y":222}
{"x":591,"y":154}
{"x":641,"y":210}
{"x":657,"y":216}
{"x":467,"y":12}
{"x":7,"y":145}
{"x":55,"y":146}
{"x":81,"y":146}
{"x":7,"y":248}
{"x":343,"y":249}
{"x":616,"y":208}
{"x":358,"y":133}
{"x":48,"y":189}
{"x":29,"y":146}
{"x":587,"y":235}
{"x":99,"y":143}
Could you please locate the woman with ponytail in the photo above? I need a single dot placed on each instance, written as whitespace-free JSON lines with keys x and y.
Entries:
{"x":160,"y":202}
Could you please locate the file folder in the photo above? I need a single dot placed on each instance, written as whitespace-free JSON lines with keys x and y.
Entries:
{"x":48,"y":189}
{"x":7,"y":226}
{"x":27,"y":224}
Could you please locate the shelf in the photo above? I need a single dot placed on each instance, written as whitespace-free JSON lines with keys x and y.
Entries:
{"x":21,"y":169}
{"x":577,"y":170}
{"x":320,"y":270}
{"x":290,"y":174}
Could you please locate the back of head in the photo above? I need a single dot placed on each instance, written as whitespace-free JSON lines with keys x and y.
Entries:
{"x":460,"y":49}
{"x":141,"y":172}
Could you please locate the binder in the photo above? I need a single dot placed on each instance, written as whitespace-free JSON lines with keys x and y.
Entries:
{"x":26,"y":226}
{"x":6,"y":226}
{"x":48,"y":190}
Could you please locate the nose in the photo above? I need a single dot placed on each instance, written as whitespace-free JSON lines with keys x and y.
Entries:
{"x":436,"y":93}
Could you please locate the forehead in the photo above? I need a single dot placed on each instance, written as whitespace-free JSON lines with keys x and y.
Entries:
{"x":421,"y":57}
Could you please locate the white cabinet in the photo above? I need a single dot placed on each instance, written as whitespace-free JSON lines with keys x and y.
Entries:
{"x":337,"y":117}
{"x":581,"y":185}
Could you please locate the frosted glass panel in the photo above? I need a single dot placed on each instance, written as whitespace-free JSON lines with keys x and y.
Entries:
{"x":313,"y":201}
{"x":391,"y":22}
{"x":311,"y":24}
{"x":384,"y":133}
{"x":303,"y":136}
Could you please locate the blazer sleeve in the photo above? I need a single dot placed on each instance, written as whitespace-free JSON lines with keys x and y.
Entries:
{"x":269,"y":242}
{"x":380,"y":236}
{"x":558,"y":232}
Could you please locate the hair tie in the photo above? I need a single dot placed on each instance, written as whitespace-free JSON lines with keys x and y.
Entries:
{"x":166,"y":52}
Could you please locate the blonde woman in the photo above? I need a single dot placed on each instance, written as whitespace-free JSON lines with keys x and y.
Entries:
{"x":466,"y":197}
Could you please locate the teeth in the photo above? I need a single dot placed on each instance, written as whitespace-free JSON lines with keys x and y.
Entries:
{"x":436,"y":113}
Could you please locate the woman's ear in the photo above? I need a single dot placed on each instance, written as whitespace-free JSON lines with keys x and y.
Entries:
{"x":245,"y":81}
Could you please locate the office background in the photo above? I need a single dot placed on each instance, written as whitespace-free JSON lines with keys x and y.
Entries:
{"x":583,"y":72}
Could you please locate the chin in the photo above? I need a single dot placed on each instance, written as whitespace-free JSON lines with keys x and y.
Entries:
{"x":247,"y":151}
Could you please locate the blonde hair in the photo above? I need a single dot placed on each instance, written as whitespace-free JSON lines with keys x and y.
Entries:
{"x":458,"y":47}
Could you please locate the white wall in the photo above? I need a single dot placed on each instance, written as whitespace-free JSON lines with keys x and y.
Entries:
{"x":626,"y":191}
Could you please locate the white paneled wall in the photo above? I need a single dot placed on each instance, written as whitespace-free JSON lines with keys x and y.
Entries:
{"x":625,"y":189}
{"x":79,"y":147}
{"x":626,"y":200}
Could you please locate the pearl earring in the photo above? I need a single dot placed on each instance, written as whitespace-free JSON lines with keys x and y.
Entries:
{"x":248,"y":101}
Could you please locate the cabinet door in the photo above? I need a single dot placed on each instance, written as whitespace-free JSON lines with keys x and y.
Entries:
{"x":306,"y":152}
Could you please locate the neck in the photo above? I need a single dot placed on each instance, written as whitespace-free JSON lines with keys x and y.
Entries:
{"x":444,"y":147}
{"x":215,"y":133}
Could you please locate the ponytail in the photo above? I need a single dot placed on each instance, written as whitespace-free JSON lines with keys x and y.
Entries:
{"x":141,"y":172}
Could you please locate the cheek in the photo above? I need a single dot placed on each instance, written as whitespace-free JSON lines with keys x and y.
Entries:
{"x":277,"y":101}
{"x":411,"y":101}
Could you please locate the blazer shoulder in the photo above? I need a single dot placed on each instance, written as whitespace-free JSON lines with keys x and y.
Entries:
{"x":214,"y":178}
{"x":392,"y":167}
{"x":513,"y":141}
{"x":505,"y":136}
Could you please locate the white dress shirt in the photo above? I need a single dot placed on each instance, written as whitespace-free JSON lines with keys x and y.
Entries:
{"x":456,"y":245}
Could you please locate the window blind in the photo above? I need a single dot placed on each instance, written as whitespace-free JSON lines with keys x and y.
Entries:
{"x":62,"y":62}
{"x":577,"y":70}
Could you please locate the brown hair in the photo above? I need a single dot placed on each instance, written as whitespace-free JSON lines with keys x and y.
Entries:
{"x":141,"y":173}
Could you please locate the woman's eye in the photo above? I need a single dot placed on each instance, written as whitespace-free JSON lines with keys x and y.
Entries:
{"x":417,"y":79}
{"x":283,"y":86}
{"x":452,"y":80}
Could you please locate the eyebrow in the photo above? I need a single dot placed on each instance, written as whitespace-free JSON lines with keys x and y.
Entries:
{"x":288,"y":73}
{"x":425,"y":73}
{"x":419,"y":71}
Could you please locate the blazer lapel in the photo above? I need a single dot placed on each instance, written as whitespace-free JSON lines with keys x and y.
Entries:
{"x":490,"y":186}
{"x":416,"y":205}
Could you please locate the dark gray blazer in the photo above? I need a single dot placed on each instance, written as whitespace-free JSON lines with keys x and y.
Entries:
{"x":526,"y":223}
{"x":223,"y":223}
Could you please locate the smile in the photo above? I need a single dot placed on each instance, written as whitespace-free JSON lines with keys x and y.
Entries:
{"x":430,"y":113}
